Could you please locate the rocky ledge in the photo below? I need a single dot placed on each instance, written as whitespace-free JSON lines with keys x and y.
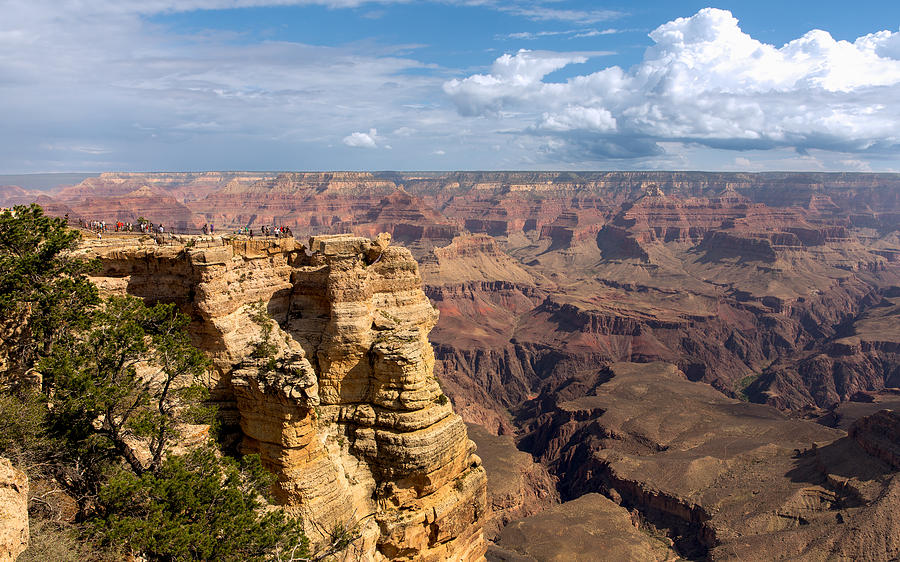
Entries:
{"x":343,"y":406}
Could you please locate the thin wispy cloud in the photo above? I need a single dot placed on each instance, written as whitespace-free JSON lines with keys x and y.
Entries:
{"x":598,"y":32}
{"x":536,"y":10}
{"x":543,"y":13}
{"x":571,"y":33}
{"x":144,"y":93}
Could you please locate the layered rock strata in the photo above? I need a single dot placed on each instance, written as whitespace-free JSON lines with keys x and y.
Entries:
{"x":747,"y":281}
{"x":879,"y":435}
{"x":323,"y":353}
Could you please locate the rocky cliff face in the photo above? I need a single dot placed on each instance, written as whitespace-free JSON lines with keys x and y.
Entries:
{"x":345,"y":408}
{"x":879,"y":435}
{"x":161,"y":197}
{"x":436,"y":206}
{"x":13,"y":512}
{"x":864,"y":355}
{"x":517,"y":485}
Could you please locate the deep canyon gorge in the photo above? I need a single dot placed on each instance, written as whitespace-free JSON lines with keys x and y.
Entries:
{"x":652,"y":365}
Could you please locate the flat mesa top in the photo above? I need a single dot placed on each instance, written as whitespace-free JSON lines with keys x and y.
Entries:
{"x":338,"y":244}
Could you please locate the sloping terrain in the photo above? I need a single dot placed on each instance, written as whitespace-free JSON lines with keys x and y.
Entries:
{"x":721,"y":478}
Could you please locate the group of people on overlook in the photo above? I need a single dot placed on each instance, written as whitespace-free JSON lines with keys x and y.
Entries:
{"x":101,"y":226}
{"x":147,"y":227}
{"x":266,"y":230}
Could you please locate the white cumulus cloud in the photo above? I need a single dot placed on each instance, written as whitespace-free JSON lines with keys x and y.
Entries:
{"x":704,"y":81}
{"x":578,"y":117}
{"x":513,"y":79}
{"x":362,"y":140}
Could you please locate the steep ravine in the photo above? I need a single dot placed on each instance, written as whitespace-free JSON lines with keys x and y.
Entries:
{"x":499,"y":345}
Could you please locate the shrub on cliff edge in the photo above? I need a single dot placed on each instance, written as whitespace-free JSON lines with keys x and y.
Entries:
{"x":44,"y":292}
{"x":117,"y":376}
{"x":195,"y":507}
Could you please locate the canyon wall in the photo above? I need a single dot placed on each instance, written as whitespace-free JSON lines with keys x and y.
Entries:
{"x":717,"y":478}
{"x":751,"y":282}
{"x":343,"y":405}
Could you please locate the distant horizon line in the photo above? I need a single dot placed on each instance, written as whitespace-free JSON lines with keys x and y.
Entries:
{"x":480,"y":171}
{"x":49,"y":182}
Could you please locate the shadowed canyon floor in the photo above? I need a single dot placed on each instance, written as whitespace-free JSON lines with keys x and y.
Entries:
{"x":685,"y":354}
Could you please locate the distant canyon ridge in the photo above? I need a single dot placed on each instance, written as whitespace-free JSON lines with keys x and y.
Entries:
{"x":775,"y":287}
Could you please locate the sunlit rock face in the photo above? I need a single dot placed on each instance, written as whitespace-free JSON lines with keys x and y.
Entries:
{"x":13,"y":511}
{"x":344,"y":407}
{"x":735,"y":277}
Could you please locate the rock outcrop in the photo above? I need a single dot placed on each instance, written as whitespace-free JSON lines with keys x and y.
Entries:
{"x":322,"y":355}
{"x":13,"y":511}
{"x":879,"y":435}
{"x":863,"y":356}
{"x":754,"y":277}
{"x":776,"y":288}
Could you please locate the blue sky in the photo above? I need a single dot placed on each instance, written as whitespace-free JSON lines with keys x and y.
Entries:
{"x":91,"y":85}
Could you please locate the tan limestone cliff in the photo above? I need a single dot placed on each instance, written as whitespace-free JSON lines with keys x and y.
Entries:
{"x":13,"y":511}
{"x":344,"y":407}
